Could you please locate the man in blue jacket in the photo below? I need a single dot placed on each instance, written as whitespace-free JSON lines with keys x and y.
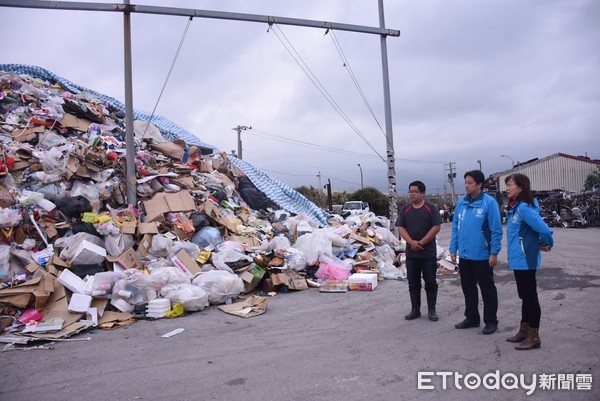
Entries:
{"x":477,"y":238}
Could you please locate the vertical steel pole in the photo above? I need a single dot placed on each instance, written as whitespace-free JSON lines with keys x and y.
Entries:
{"x":389,"y":135}
{"x":129,"y":135}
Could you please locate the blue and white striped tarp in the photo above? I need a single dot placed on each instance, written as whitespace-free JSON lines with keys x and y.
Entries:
{"x":280,"y":193}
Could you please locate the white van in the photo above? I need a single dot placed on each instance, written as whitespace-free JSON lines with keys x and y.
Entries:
{"x":356,"y":207}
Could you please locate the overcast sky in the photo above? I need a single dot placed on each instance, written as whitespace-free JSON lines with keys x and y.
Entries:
{"x":470,"y":80}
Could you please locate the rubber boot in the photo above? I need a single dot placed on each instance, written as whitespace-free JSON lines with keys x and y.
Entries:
{"x":532,"y":341}
{"x":521,"y":334}
{"x":415,"y":302}
{"x":431,"y":301}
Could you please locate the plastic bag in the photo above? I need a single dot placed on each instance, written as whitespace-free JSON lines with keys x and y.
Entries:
{"x":207,"y":236}
{"x":161,"y":246}
{"x":314,"y":245}
{"x":230,"y":246}
{"x":117,"y":244}
{"x":73,"y":206}
{"x":294,"y":258}
{"x":54,"y":160}
{"x":89,"y":191}
{"x":221,"y":259}
{"x":192,"y":298}
{"x":161,"y":276}
{"x":221,"y":286}
{"x":103,"y":283}
{"x":131,"y":290}
{"x":4,"y":261}
{"x":10,"y":217}
{"x":332,"y":268}
{"x":191,"y":249}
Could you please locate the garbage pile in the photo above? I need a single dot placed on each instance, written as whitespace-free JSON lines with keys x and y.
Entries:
{"x":75,"y":255}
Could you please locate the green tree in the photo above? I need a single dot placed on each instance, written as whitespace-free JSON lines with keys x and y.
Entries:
{"x":378,"y":202}
{"x":312,"y":194}
{"x":592,"y":179}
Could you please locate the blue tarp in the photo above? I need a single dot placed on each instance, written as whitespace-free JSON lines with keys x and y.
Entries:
{"x":280,"y":193}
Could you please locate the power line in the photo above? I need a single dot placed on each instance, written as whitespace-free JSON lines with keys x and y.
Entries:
{"x":338,"y":47}
{"x":312,"y":77}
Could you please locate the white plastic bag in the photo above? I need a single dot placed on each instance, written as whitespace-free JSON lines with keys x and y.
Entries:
{"x":221,"y":286}
{"x":192,"y":298}
{"x":161,"y":246}
{"x":117,"y":244}
{"x":314,"y":245}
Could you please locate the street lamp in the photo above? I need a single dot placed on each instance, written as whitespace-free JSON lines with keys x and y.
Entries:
{"x":361,"y":176}
{"x":511,"y":159}
{"x":479,"y":161}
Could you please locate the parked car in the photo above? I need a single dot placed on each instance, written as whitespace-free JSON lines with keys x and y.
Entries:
{"x":356,"y":207}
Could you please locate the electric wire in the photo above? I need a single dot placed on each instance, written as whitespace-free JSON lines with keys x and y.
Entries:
{"x":187,"y":27}
{"x":312,"y":77}
{"x":346,"y":65}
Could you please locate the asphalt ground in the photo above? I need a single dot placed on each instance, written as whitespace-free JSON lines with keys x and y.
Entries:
{"x":340,"y":346}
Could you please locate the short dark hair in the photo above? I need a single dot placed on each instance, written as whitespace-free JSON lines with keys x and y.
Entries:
{"x":417,"y":184}
{"x":522,"y":181}
{"x":476,"y":175}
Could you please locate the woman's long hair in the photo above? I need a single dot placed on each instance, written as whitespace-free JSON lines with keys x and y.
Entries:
{"x":522,"y":181}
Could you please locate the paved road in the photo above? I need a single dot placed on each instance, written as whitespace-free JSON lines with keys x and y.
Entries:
{"x":350,"y":346}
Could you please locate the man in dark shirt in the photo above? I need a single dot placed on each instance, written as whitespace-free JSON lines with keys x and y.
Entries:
{"x":418,"y":223}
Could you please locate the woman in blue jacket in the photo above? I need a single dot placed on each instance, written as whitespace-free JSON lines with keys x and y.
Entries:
{"x":526,"y":235}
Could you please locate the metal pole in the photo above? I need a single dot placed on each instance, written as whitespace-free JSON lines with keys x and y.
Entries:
{"x":129,"y":139}
{"x":479,"y":161}
{"x":511,"y":160}
{"x":389,"y":135}
{"x":361,"y":177}
{"x":239,"y":129}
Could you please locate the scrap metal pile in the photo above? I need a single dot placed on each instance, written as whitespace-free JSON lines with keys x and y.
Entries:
{"x":580,"y":210}
{"x":75,"y":255}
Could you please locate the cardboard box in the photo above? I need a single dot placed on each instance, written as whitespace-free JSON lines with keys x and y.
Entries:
{"x":334,"y":286}
{"x":252,"y":277}
{"x":145,"y":244}
{"x":290,"y":279}
{"x":127,"y":260}
{"x":162,"y":203}
{"x":184,"y":262}
{"x":362,"y":282}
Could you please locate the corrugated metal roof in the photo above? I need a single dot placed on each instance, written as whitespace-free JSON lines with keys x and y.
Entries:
{"x":557,"y":171}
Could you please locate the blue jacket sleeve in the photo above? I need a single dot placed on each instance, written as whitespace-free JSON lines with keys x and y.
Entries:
{"x":495,"y":222}
{"x":454,"y":237}
{"x":532,"y":218}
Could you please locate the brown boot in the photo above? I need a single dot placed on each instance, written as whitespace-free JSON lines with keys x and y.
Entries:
{"x":521,"y":334}
{"x":532,"y":341}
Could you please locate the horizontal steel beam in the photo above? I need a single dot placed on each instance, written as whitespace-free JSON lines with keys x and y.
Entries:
{"x":188,"y":12}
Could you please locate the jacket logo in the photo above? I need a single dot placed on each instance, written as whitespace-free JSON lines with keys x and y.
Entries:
{"x":479,"y":212}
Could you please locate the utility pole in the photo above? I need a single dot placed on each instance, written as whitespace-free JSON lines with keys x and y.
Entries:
{"x":320,"y":190}
{"x":361,"y":177}
{"x":389,"y":133}
{"x":239,"y":129}
{"x":451,"y":176}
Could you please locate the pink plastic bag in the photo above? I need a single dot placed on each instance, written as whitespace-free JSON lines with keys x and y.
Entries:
{"x":330,"y":271}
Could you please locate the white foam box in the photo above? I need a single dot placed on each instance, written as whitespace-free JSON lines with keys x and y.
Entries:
{"x":362,"y":282}
{"x":71,"y":281}
{"x":80,"y":303}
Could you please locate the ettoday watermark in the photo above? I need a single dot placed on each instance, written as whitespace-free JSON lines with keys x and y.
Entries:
{"x":506,"y":381}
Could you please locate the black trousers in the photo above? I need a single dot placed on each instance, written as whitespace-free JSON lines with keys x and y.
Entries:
{"x":473,"y":273}
{"x":417,"y":266}
{"x":527,"y":290}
